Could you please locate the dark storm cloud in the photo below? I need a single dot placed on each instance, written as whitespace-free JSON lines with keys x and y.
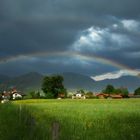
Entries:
{"x":31,"y":27}
{"x":119,"y":8}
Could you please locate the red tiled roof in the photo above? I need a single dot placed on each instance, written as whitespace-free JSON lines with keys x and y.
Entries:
{"x":102,"y":94}
{"x":116,"y":96}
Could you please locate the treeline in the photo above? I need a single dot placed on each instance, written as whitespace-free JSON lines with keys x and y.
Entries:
{"x":110,"y":89}
{"x":53,"y":87}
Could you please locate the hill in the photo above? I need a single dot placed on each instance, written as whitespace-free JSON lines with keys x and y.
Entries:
{"x":130,"y":82}
{"x":77,"y":81}
{"x":26,"y":82}
{"x":72,"y":81}
{"x":4,"y":78}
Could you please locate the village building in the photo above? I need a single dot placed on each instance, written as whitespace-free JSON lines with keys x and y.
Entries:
{"x":61,"y":96}
{"x":78,"y":95}
{"x":109,"y":96}
{"x":116,"y":96}
{"x":102,"y":95}
{"x":133,"y":96}
{"x":17,"y":94}
{"x":11,"y":95}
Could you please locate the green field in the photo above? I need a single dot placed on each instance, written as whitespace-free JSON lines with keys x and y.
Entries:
{"x":95,"y":119}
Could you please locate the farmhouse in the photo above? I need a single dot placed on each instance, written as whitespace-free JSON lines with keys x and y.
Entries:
{"x":17,"y":94}
{"x":102,"y":95}
{"x":116,"y":96}
{"x":61,"y":95}
{"x":6,"y":95}
{"x":134,"y":96}
{"x":14,"y":94}
{"x":78,"y":95}
{"x":109,"y":96}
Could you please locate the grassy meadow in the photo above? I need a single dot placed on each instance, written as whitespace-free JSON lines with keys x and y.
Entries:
{"x":90,"y":119}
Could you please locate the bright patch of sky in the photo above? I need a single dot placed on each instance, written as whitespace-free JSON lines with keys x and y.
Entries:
{"x":131,"y":25}
{"x":97,"y":39}
{"x":90,"y":39}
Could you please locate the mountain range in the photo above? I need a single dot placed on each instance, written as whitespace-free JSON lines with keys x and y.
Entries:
{"x":72,"y":81}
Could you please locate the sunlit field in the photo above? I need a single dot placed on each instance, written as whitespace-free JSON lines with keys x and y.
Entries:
{"x":94,"y":119}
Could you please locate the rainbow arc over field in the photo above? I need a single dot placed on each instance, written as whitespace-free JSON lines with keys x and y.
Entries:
{"x":72,"y":54}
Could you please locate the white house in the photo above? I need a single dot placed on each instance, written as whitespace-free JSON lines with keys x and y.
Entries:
{"x":79,"y":96}
{"x":17,"y":96}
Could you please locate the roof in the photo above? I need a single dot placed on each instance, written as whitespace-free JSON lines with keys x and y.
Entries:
{"x":109,"y":95}
{"x":116,"y":96}
{"x":135,"y":96}
{"x":61,"y":95}
{"x":102,"y":94}
{"x":6,"y":94}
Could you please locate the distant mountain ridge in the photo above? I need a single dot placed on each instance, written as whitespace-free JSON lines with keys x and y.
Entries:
{"x":130,"y":82}
{"x":77,"y":81}
{"x":4,"y":78}
{"x":26,"y":82}
{"x":72,"y":81}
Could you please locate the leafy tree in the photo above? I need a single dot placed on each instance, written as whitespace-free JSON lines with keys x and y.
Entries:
{"x":109,"y":89}
{"x":64,"y":91}
{"x":81,"y":91}
{"x":137,"y":91}
{"x":117,"y":91}
{"x":34,"y":95}
{"x":53,"y":85}
{"x":49,"y":95}
{"x":89,"y":94}
{"x":0,"y":96}
{"x":124,"y":92}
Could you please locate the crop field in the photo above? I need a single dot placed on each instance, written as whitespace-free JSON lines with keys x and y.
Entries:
{"x":90,"y":119}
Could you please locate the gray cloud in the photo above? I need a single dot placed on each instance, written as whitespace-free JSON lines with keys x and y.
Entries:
{"x":114,"y":42}
{"x":30,"y":27}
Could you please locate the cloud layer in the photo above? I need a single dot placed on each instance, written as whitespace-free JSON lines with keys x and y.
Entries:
{"x":108,"y":29}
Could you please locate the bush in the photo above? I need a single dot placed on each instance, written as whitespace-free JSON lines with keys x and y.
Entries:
{"x":34,"y":95}
{"x":137,"y":91}
{"x":89,"y":95}
{"x":49,"y":96}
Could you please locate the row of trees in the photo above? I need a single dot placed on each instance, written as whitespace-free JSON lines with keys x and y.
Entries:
{"x":137,"y":91}
{"x":110,"y":89}
{"x":52,"y":86}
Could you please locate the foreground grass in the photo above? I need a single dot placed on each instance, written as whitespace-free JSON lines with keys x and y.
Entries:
{"x":75,"y":119}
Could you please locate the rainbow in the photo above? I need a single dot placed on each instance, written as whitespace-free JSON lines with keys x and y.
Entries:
{"x":71,"y":54}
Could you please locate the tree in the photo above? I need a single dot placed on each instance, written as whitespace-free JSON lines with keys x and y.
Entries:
{"x":0,"y":96}
{"x":109,"y":89}
{"x":137,"y":91}
{"x":117,"y":91}
{"x":81,"y":91}
{"x":124,"y":92}
{"x":89,"y":94}
{"x":34,"y":95}
{"x":53,"y":85}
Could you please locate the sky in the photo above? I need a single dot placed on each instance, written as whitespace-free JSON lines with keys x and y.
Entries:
{"x":99,"y":38}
